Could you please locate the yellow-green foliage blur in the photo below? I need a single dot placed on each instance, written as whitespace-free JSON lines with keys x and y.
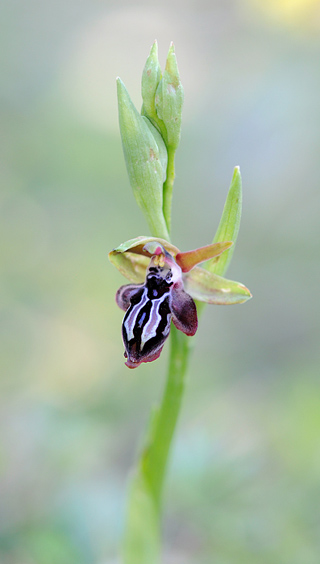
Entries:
{"x":244,"y":479}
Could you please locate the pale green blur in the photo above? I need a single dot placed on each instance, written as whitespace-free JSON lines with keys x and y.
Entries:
{"x":244,"y":483}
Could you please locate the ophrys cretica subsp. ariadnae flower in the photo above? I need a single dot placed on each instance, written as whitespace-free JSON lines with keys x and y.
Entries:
{"x":165,"y":284}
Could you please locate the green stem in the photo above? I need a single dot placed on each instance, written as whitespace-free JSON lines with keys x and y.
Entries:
{"x":167,"y":188}
{"x":155,"y":456}
{"x":142,"y":542}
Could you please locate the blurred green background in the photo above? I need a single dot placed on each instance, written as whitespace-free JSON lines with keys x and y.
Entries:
{"x":244,"y":480}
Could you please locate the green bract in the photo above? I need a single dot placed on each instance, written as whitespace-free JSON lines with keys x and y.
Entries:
{"x":229,"y":224}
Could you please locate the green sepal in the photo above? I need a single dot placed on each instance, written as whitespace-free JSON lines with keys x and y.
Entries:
{"x":213,"y":289}
{"x":133,"y":267}
{"x":229,"y":224}
{"x":145,"y":156}
{"x":169,"y":100}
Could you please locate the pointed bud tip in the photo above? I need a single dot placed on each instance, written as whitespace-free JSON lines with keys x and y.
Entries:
{"x":171,"y":51}
{"x":120,"y":84}
{"x":236,"y":173}
{"x":247,"y":291}
{"x":121,"y":89}
{"x":172,"y":65}
{"x":154,"y":48}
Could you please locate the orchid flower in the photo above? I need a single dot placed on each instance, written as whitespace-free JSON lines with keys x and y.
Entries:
{"x":165,"y":283}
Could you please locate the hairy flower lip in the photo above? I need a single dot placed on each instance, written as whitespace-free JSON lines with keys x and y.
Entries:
{"x":150,"y":307}
{"x":132,"y":363}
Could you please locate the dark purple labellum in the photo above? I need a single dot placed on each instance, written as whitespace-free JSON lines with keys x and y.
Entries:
{"x":149,"y":309}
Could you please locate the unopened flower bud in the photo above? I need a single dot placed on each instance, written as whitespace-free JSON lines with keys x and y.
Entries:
{"x":169,"y":100}
{"x":146,"y":159}
{"x":151,"y":77}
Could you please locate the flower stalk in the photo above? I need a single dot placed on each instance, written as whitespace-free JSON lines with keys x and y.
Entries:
{"x":164,"y":282}
{"x":168,"y":188}
{"x":155,"y":455}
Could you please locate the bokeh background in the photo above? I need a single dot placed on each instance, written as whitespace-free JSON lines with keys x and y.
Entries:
{"x":244,"y":479}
